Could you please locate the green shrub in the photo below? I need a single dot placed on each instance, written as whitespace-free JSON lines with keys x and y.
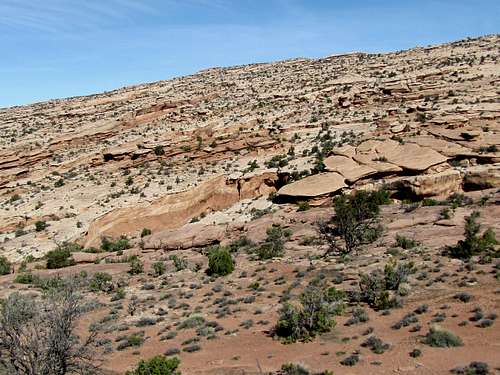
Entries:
{"x":136,"y":266}
{"x":440,"y":338}
{"x":5,"y":266}
{"x":352,"y":360}
{"x":192,"y":348}
{"x":101,"y":281}
{"x":415,"y":353}
{"x":474,"y":244}
{"x":59,"y":258}
{"x":374,"y":287}
{"x":274,"y":244}
{"x":445,"y":214}
{"x":23,"y":266}
{"x":430,"y":202}
{"x":220,"y":262}
{"x":318,"y":306}
{"x":458,"y":200}
{"x":192,"y":322}
{"x":304,"y":206}
{"x":121,"y":244}
{"x":158,"y":150}
{"x":295,"y":369}
{"x":159,"y":268}
{"x":375,"y":344}
{"x":397,"y":273}
{"x":474,"y":368}
{"x":277,"y":161}
{"x":119,"y":295}
{"x":135,"y":340}
{"x":24,"y":278}
{"x":359,"y":315}
{"x":158,"y":365}
{"x":179,"y":263}
{"x":405,"y":243}
{"x":40,"y":225}
{"x":242,"y":242}
{"x":355,"y":220}
{"x":145,"y":232}
{"x":19,"y":231}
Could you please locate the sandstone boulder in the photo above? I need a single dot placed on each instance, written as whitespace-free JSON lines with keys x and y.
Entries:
{"x":431,"y":185}
{"x":351,"y":170}
{"x":375,"y":162}
{"x":314,"y":186}
{"x":447,"y":148}
{"x":408,"y":156}
{"x":347,"y":150}
{"x":187,"y":237}
{"x":81,"y":257}
{"x":398,"y":128}
{"x":483,"y":176}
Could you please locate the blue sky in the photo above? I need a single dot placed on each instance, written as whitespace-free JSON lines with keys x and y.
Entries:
{"x":61,"y":48}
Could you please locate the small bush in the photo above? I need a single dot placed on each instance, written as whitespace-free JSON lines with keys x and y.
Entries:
{"x":242,"y":242}
{"x":159,"y":268}
{"x":463,"y":296}
{"x":274,"y":244}
{"x":440,"y":338}
{"x":355,"y":221}
{"x":24,"y":278}
{"x":158,"y":150}
{"x":121,"y":244}
{"x":158,"y":365}
{"x":5,"y":266}
{"x":179,"y":263}
{"x":405,"y":243}
{"x":40,"y":225}
{"x":220,"y":262}
{"x":59,"y":258}
{"x":304,"y":206}
{"x":359,"y":315}
{"x":351,"y":360}
{"x":407,"y":320}
{"x":485,"y":323}
{"x":375,"y":344}
{"x":192,"y":322}
{"x":397,"y":273}
{"x":134,"y":340}
{"x":172,"y":351}
{"x":145,"y":232}
{"x":374,"y":288}
{"x":415,"y":353}
{"x":318,"y":306}
{"x":136,"y":266}
{"x":458,"y":200}
{"x":145,"y":321}
{"x":101,"y":281}
{"x":474,"y":368}
{"x":295,"y":369}
{"x":445,"y":214}
{"x":192,"y":348}
{"x":430,"y":202}
{"x":474,"y":244}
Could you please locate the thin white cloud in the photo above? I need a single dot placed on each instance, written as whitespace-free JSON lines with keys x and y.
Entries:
{"x":66,"y":16}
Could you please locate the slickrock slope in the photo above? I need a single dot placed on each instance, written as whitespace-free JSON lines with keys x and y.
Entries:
{"x":228,"y":154}
{"x":69,"y":162}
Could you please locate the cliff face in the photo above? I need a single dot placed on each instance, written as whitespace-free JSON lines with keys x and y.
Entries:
{"x":425,"y":119}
